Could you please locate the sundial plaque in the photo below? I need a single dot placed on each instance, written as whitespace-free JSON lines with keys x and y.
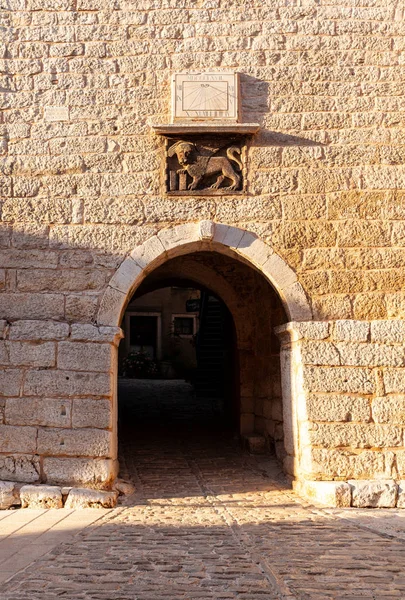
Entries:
{"x":207,"y":96}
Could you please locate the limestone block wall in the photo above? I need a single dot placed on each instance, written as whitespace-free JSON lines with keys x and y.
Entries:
{"x":81,"y":186}
{"x":349,"y":414}
{"x":57,"y":410}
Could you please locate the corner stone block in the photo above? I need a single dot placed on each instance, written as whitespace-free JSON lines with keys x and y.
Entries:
{"x":329,"y":493}
{"x":8,"y":494}
{"x":313,"y":330}
{"x":81,"y":471}
{"x":374,"y":494}
{"x":85,"y":498}
{"x":41,"y":496}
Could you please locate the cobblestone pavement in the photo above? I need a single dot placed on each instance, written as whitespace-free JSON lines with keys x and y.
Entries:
{"x":209,"y":522}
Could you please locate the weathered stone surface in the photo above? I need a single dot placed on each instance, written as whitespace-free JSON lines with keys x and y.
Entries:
{"x":92,"y":333}
{"x":10,"y":382}
{"x":401,"y":494}
{"x":328,"y":493}
{"x":84,"y":471}
{"x":32,"y":354}
{"x":37,"y":306}
{"x":374,"y":494}
{"x":353,"y":435}
{"x":20,"y":467}
{"x":320,"y":353}
{"x":48,"y":412}
{"x":339,"y":379}
{"x":66,"y":383}
{"x":18,"y":439}
{"x":388,"y":331}
{"x":85,"y":356}
{"x":85,"y":498}
{"x":84,"y":218}
{"x":351,"y":331}
{"x":255,"y":444}
{"x":125,"y":488}
{"x":330,"y":463}
{"x":8,"y":494}
{"x":334,"y":407}
{"x":74,"y":442}
{"x":41,"y":496}
{"x":92,"y":413}
{"x":38,"y":330}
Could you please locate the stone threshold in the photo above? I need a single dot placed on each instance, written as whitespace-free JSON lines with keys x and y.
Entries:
{"x":20,"y":495}
{"x":356,"y":493}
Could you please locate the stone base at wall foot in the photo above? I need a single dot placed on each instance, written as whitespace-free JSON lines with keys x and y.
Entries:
{"x":86,"y":498}
{"x":328,"y":493}
{"x":357,"y":493}
{"x":14,"y":495}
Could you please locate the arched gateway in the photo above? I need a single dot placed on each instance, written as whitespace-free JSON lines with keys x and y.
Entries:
{"x":240,"y":246}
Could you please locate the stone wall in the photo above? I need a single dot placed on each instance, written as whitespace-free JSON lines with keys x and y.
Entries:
{"x":349,"y":412}
{"x":57,"y":417}
{"x":81,"y":186}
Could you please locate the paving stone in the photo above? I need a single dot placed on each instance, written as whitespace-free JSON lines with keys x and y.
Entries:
{"x":209,"y":521}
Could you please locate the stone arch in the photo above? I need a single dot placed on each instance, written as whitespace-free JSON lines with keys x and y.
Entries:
{"x":192,"y":237}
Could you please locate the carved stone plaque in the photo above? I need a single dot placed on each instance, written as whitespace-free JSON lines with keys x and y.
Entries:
{"x":206,"y":166}
{"x":207,"y":96}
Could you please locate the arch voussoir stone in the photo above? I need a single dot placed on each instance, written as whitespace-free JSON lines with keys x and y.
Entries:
{"x":187,"y":237}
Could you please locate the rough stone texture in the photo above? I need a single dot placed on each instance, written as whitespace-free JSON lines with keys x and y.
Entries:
{"x":85,"y":498}
{"x":374,"y":494}
{"x":328,"y":493}
{"x":20,"y":467}
{"x":8,"y":496}
{"x":401,"y":494}
{"x":41,"y":496}
{"x":83,"y":217}
{"x":93,"y":472}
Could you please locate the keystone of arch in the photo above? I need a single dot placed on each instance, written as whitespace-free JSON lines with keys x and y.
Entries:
{"x":191,"y":237}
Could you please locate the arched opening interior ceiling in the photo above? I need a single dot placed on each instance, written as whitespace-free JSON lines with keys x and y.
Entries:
{"x":198,"y":237}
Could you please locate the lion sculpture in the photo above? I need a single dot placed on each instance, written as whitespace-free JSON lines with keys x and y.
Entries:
{"x":193,"y":162}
